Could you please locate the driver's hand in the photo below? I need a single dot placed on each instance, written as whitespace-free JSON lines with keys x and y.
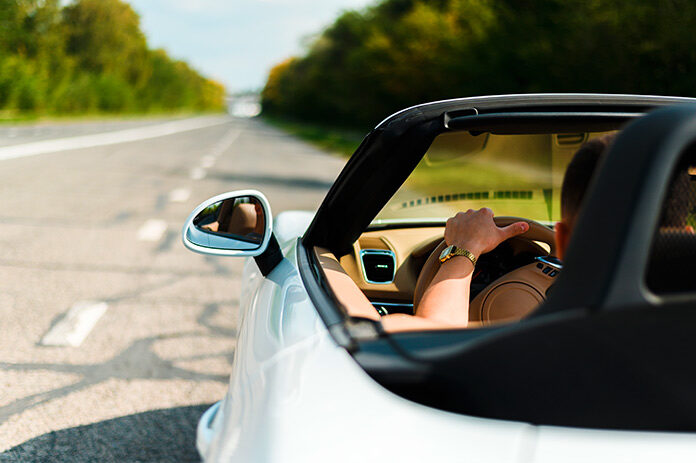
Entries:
{"x":476,"y":231}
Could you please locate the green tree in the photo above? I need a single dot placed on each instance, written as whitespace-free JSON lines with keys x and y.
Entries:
{"x":90,"y":56}
{"x":397,"y":53}
{"x":104,"y":37}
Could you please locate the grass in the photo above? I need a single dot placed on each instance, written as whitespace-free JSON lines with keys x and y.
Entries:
{"x":340,"y":141}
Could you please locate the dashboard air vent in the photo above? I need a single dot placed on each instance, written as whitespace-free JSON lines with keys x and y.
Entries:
{"x":378,"y":266}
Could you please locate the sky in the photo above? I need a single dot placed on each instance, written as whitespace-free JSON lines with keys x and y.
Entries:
{"x":236,"y":42}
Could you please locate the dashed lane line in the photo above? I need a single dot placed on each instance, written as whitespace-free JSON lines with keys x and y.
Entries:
{"x":152,"y":230}
{"x":108,"y":138}
{"x":75,"y":325}
{"x":197,"y":173}
{"x":179,"y":195}
{"x":225,"y":142}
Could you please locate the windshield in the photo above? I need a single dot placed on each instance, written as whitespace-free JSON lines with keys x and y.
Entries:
{"x":514,"y":175}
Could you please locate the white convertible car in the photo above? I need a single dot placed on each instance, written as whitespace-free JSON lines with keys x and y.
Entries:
{"x":585,"y":360}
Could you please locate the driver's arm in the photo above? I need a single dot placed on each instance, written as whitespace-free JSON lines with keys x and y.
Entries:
{"x":446,"y":300}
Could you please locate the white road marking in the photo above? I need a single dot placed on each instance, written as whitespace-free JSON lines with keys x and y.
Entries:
{"x":108,"y":138}
{"x":225,"y":142}
{"x":197,"y":173}
{"x":207,"y":161}
{"x":179,"y":195}
{"x":152,"y":230}
{"x":77,"y":323}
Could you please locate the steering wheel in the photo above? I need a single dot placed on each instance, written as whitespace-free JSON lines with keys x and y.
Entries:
{"x":513,"y":295}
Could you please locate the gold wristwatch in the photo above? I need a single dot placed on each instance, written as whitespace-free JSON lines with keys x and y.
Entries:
{"x":452,"y":251}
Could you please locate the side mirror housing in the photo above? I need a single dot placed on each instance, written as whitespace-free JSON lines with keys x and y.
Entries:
{"x":238,"y":223}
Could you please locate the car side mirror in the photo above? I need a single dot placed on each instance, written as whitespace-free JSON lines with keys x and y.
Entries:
{"x":238,"y":223}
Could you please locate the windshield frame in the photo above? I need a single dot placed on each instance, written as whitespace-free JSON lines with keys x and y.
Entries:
{"x":390,"y":152}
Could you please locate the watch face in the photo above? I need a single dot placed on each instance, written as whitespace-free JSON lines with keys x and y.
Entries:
{"x":446,"y":251}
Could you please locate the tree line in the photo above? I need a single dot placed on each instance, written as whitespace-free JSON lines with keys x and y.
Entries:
{"x":397,"y":53}
{"x":90,"y":56}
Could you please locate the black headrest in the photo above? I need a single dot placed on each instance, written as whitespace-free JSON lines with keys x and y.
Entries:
{"x":672,"y":265}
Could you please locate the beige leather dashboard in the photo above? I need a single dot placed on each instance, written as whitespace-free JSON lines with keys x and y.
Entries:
{"x":411,"y":247}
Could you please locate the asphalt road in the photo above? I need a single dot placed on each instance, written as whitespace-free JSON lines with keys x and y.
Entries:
{"x":98,"y":228}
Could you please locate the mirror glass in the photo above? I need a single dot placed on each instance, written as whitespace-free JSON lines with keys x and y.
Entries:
{"x":237,"y":223}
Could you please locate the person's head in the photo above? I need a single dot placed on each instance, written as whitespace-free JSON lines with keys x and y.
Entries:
{"x":577,"y":179}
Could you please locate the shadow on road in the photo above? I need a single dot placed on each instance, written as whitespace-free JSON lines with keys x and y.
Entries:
{"x":138,"y":361}
{"x":155,"y":436}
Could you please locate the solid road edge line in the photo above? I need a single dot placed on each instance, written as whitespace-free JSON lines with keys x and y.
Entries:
{"x":108,"y":138}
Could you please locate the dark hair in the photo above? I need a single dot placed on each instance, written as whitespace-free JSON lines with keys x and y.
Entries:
{"x":579,"y":173}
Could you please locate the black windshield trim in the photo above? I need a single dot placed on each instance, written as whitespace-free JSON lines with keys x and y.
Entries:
{"x":541,"y":122}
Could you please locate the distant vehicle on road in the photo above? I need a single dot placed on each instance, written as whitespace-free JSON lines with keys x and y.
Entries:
{"x":582,"y":360}
{"x":245,"y":105}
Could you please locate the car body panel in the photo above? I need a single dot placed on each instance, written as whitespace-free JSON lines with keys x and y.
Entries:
{"x":207,"y":428}
{"x":296,"y":396}
{"x":573,"y":445}
{"x":289,"y":225}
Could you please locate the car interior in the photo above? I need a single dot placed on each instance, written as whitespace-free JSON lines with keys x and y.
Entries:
{"x":392,"y":263}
